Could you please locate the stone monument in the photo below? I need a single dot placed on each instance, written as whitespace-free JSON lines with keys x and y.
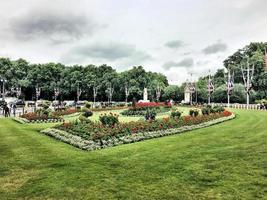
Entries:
{"x":145,"y":96}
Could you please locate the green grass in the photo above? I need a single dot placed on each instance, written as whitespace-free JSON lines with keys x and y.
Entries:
{"x":123,"y":118}
{"x":225,"y":161}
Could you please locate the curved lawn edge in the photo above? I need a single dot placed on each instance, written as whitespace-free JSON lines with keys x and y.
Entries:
{"x":90,"y":145}
{"x":21,"y":120}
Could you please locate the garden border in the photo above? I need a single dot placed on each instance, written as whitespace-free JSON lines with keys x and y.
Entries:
{"x":26,"y":121}
{"x":90,"y":145}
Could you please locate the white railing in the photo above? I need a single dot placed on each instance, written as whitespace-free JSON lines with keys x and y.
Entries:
{"x":241,"y":106}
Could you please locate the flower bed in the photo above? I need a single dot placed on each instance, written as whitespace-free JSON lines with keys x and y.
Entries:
{"x":79,"y":137}
{"x":141,"y":111}
{"x":152,"y":104}
{"x":97,"y":133}
{"x":34,"y":117}
{"x":63,"y":112}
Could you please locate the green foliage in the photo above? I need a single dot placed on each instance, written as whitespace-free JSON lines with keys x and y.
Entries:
{"x":88,"y":105}
{"x":150,"y":114}
{"x":193,"y":112}
{"x":86,"y":112}
{"x":208,"y":109}
{"x":109,"y":120}
{"x":173,"y":92}
{"x":176,"y":114}
{"x":68,"y":78}
{"x":84,"y":119}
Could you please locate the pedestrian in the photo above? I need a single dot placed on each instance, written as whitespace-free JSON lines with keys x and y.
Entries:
{"x":14,"y":109}
{"x":7,"y":111}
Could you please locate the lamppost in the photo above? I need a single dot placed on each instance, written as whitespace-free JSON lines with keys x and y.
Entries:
{"x":3,"y":80}
{"x":210,"y":88}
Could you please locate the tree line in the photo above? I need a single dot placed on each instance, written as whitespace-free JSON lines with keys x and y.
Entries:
{"x":68,"y":79}
{"x":20,"y":73}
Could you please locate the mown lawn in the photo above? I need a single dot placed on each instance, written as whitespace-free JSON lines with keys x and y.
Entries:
{"x":122,"y":118}
{"x":225,"y":161}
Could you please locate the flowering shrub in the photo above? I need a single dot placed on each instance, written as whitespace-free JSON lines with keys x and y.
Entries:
{"x":226,"y":113}
{"x":41,"y":115}
{"x":109,"y":126}
{"x":34,"y":117}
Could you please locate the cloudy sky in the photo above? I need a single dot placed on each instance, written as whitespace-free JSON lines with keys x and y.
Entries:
{"x":175,"y":37}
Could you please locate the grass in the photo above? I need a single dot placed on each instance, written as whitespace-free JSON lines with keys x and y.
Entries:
{"x":123,"y":118}
{"x":225,"y":161}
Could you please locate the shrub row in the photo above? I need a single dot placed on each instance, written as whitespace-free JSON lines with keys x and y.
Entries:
{"x":208,"y":110}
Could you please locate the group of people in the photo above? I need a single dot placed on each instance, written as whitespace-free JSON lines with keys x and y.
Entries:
{"x":7,"y":109}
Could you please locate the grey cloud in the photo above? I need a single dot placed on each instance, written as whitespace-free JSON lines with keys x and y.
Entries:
{"x":55,"y":26}
{"x":215,"y":48}
{"x":203,"y":62}
{"x":187,"y":62}
{"x":175,"y":44}
{"x":109,"y":51}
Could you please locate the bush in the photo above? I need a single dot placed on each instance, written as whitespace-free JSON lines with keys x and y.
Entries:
{"x":193,"y":113}
{"x":150,"y":114}
{"x":176,"y":114}
{"x":109,"y":120}
{"x":208,"y":109}
{"x":87,"y":112}
{"x":87,"y":105}
{"x":84,"y":119}
{"x":218,"y":109}
{"x":205,"y":111}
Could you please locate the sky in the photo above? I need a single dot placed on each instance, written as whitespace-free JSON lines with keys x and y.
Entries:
{"x":174,"y":37}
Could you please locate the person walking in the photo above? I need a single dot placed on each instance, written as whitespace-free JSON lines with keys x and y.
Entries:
{"x":14,"y":109}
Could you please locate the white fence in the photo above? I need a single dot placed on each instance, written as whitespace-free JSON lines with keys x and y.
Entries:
{"x":241,"y":106}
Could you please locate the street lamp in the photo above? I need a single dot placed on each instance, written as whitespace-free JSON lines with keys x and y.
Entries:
{"x":247,"y":78}
{"x":210,"y":88}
